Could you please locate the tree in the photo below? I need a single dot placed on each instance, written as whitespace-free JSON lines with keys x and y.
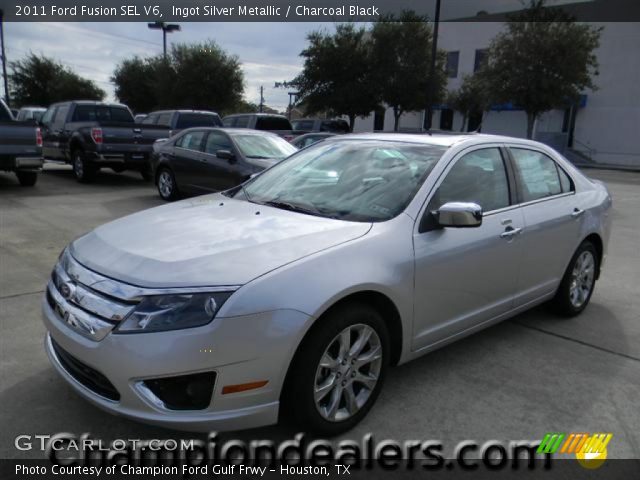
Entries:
{"x":198,"y":76}
{"x":135,"y":84}
{"x":543,"y":60}
{"x":39,"y":80}
{"x":472,"y":97}
{"x":401,"y":50}
{"x":337,"y":73}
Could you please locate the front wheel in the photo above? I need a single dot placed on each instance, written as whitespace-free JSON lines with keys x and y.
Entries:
{"x":27,"y":179}
{"x":338,"y":371}
{"x":578,"y":282}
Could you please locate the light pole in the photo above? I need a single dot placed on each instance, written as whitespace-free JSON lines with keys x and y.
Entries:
{"x":4,"y":60}
{"x":166,"y":28}
{"x":432,"y":70}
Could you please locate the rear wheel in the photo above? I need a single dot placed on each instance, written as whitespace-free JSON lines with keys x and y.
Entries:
{"x":83,"y":170}
{"x":578,"y":282}
{"x":27,"y":179}
{"x":167,"y":186}
{"x":338,"y":371}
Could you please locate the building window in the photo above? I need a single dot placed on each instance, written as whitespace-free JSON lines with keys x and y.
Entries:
{"x":446,"y":119}
{"x":452,"y":64}
{"x":481,"y":58}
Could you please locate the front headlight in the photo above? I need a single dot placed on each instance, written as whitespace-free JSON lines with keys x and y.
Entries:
{"x":173,"y":312}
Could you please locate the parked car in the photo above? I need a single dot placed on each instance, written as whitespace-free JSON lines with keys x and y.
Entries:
{"x":336,"y":125}
{"x":93,"y":135}
{"x":204,"y":160}
{"x":14,"y":112}
{"x":269,"y":122}
{"x":304,"y":284}
{"x":20,"y":148}
{"x":310,"y":138}
{"x":139,"y":117}
{"x":177,"y":120}
{"x":34,"y":114}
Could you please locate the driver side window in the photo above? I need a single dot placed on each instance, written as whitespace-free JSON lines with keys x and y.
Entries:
{"x":479,"y":177}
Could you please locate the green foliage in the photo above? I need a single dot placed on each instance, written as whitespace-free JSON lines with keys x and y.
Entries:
{"x":473,"y":96}
{"x":543,"y":60}
{"x":338,"y":73}
{"x":401,"y":50}
{"x":39,"y":80}
{"x":194,"y":76}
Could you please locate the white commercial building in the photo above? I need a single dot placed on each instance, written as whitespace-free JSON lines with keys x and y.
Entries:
{"x":604,"y":128}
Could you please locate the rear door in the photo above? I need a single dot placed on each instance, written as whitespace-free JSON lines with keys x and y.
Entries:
{"x":552,"y":222}
{"x":57,"y":136}
{"x":187,"y":159}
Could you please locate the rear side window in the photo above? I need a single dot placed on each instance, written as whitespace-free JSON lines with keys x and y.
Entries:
{"x":479,"y":177}
{"x":149,"y":119}
{"x":61,"y":115}
{"x":48,"y":115}
{"x":272,"y":123}
{"x":164,"y":119}
{"x":188,"y":120}
{"x":240,"y":122}
{"x":538,"y":175}
{"x":191,"y":141}
{"x":335,"y":126}
{"x":306,"y":125}
{"x":228,"y":122}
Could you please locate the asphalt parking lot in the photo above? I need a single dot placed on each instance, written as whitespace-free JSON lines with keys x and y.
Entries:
{"x":533,"y":374}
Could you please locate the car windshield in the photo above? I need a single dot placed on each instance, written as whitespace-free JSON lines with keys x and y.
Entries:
{"x":363,"y":181}
{"x":263,"y":146}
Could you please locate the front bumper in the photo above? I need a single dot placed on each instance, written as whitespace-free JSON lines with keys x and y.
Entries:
{"x":238,"y":349}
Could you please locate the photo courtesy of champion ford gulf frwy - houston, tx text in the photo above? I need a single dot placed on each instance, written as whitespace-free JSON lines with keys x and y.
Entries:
{"x":319,"y":238}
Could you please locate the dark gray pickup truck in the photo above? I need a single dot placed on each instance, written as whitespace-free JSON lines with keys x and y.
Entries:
{"x":20,"y":148}
{"x":94,"y":135}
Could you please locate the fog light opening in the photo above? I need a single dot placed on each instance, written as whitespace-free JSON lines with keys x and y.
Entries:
{"x":184,"y":392}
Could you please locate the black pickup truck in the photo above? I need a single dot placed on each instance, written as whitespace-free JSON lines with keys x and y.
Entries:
{"x":20,"y":148}
{"x":93,"y":135}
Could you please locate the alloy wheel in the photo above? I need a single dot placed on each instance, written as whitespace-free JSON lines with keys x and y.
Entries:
{"x":348,"y":373}
{"x":582,"y":279}
{"x":165,"y":184}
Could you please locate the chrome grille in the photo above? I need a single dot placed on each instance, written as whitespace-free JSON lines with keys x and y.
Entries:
{"x":83,"y":308}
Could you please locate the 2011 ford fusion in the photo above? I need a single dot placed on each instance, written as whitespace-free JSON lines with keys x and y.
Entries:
{"x":292,"y":294}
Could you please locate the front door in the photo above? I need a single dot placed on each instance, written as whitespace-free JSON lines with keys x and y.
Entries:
{"x":219,"y":173}
{"x":187,"y":159}
{"x":467,"y":276}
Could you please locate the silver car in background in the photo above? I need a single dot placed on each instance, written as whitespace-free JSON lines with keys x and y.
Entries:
{"x":292,"y":294}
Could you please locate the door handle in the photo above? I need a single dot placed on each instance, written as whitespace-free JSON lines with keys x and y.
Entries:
{"x":577,"y":212}
{"x":511,"y":232}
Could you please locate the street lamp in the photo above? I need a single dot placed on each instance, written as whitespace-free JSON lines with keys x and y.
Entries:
{"x":428,"y":117}
{"x":166,"y":28}
{"x":3,"y":59}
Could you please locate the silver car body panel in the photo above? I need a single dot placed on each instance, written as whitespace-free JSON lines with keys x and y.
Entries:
{"x":287,"y":269}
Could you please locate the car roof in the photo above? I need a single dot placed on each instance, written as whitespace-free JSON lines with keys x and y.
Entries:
{"x":255,"y":115}
{"x":207,"y":112}
{"x":434,"y":138}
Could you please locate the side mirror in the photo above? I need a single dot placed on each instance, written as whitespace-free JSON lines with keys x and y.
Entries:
{"x":459,"y":215}
{"x":226,"y":155}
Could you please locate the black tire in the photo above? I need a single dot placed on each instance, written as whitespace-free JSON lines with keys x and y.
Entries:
{"x":172,"y":193}
{"x":299,"y":404}
{"x":82,"y":169}
{"x":27,"y":179}
{"x":562,"y":302}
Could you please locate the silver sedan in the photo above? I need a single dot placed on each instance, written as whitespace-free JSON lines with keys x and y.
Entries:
{"x":293,"y":293}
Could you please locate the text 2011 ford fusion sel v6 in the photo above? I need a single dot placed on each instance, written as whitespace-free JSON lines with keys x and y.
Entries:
{"x":293,"y":293}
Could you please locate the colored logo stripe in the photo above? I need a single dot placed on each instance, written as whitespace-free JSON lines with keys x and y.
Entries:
{"x":550,"y":443}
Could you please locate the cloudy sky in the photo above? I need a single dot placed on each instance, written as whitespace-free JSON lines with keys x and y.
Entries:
{"x":269,"y":52}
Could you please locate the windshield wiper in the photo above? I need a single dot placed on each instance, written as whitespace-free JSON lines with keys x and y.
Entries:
{"x":293,"y":207}
{"x":259,"y":157}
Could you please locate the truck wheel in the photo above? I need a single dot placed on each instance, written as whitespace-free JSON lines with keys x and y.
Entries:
{"x":83,"y":171}
{"x":27,"y":179}
{"x":167,"y":186}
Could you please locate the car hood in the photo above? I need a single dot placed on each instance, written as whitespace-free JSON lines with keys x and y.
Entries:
{"x":207,"y":241}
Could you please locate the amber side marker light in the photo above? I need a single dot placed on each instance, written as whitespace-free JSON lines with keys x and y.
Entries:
{"x":243,"y":387}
